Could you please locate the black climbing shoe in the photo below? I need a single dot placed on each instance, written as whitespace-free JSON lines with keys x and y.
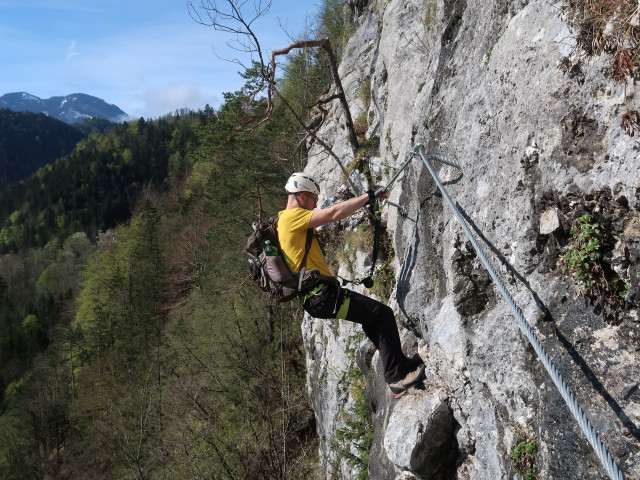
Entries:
{"x":400,"y":388}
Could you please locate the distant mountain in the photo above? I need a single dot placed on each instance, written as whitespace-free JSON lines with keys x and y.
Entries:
{"x":71,"y":109}
{"x":29,"y":141}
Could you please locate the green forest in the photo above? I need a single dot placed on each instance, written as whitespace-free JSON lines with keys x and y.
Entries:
{"x":29,"y":141}
{"x":132,"y":343}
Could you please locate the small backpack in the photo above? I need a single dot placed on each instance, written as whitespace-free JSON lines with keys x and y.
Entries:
{"x":268,"y":268}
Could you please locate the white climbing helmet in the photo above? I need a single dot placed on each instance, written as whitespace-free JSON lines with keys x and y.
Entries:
{"x":301,"y":182}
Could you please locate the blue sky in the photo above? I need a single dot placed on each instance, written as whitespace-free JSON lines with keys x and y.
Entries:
{"x":147,"y":57}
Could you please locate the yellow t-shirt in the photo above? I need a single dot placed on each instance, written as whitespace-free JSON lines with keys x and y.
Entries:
{"x":292,"y":235}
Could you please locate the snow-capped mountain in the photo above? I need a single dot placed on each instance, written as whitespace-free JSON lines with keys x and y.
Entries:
{"x":72,"y":108}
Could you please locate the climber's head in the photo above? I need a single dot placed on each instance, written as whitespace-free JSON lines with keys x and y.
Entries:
{"x":301,"y":182}
{"x":304,"y":188}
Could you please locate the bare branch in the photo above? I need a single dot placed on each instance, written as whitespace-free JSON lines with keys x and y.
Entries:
{"x":228,"y":17}
{"x":333,"y":67}
{"x":321,"y":142}
{"x":325,"y":99}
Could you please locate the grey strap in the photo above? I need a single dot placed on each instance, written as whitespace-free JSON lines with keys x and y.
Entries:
{"x":303,"y":265}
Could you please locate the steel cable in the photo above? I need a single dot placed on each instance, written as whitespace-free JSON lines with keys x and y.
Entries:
{"x":590,"y":432}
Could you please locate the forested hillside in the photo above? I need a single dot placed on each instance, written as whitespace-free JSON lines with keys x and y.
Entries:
{"x":94,"y":187}
{"x":30,"y":140}
{"x":132,"y":344}
{"x":164,"y":331}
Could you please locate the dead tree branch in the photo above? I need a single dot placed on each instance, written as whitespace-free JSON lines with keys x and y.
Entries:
{"x":321,"y":142}
{"x":227,"y":16}
{"x":325,"y":44}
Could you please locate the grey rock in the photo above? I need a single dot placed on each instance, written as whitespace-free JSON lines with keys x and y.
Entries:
{"x":549,"y":222}
{"x":420,"y":435}
{"x":539,"y":146}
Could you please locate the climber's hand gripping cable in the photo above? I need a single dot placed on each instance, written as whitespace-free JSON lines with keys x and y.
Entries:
{"x":376,"y":209}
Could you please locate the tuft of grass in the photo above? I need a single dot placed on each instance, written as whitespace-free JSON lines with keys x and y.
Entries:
{"x":353,"y":441}
{"x":610,"y":26}
{"x":360,"y":239}
{"x":430,"y":12}
{"x":364,"y":92}
{"x":384,"y":277}
{"x":523,"y":457}
{"x":584,"y":262}
{"x":487,"y":55}
{"x":361,"y":124}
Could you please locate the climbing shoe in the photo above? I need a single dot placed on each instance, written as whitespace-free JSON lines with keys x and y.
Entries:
{"x":400,"y":388}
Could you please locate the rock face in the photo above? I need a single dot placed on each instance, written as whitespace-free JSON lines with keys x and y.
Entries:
{"x":540,"y":146}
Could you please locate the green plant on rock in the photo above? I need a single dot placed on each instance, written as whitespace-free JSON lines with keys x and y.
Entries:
{"x":370,"y":146}
{"x":523,"y":457}
{"x":353,"y":441}
{"x":366,"y":150}
{"x":364,"y":92}
{"x":359,"y":239}
{"x":361,"y":124}
{"x":583,"y":256}
{"x":384,"y":276}
{"x":487,"y":55}
{"x":584,"y":262}
{"x":430,"y":12}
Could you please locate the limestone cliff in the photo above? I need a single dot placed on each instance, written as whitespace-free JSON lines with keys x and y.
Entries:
{"x":536,"y":125}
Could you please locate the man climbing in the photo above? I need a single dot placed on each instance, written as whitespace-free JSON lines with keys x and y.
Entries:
{"x":327,"y":299}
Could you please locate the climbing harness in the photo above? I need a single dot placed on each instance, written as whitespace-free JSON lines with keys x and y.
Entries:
{"x":592,"y":436}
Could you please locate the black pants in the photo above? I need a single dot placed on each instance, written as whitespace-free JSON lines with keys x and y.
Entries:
{"x":377,"y":320}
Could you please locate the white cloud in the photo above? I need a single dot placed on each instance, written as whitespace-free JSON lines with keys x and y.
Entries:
{"x":71,"y":50}
{"x":167,"y":99}
{"x":152,"y":71}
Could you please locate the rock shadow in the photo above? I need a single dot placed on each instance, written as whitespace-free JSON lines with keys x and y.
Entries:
{"x":631,"y":427}
{"x":503,"y":260}
{"x":570,"y":349}
{"x":403,"y":285}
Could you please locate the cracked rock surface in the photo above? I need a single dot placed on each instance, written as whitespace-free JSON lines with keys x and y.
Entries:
{"x":539,"y":148}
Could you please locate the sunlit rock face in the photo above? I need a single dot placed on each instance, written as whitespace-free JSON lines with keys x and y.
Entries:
{"x":536,"y":126}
